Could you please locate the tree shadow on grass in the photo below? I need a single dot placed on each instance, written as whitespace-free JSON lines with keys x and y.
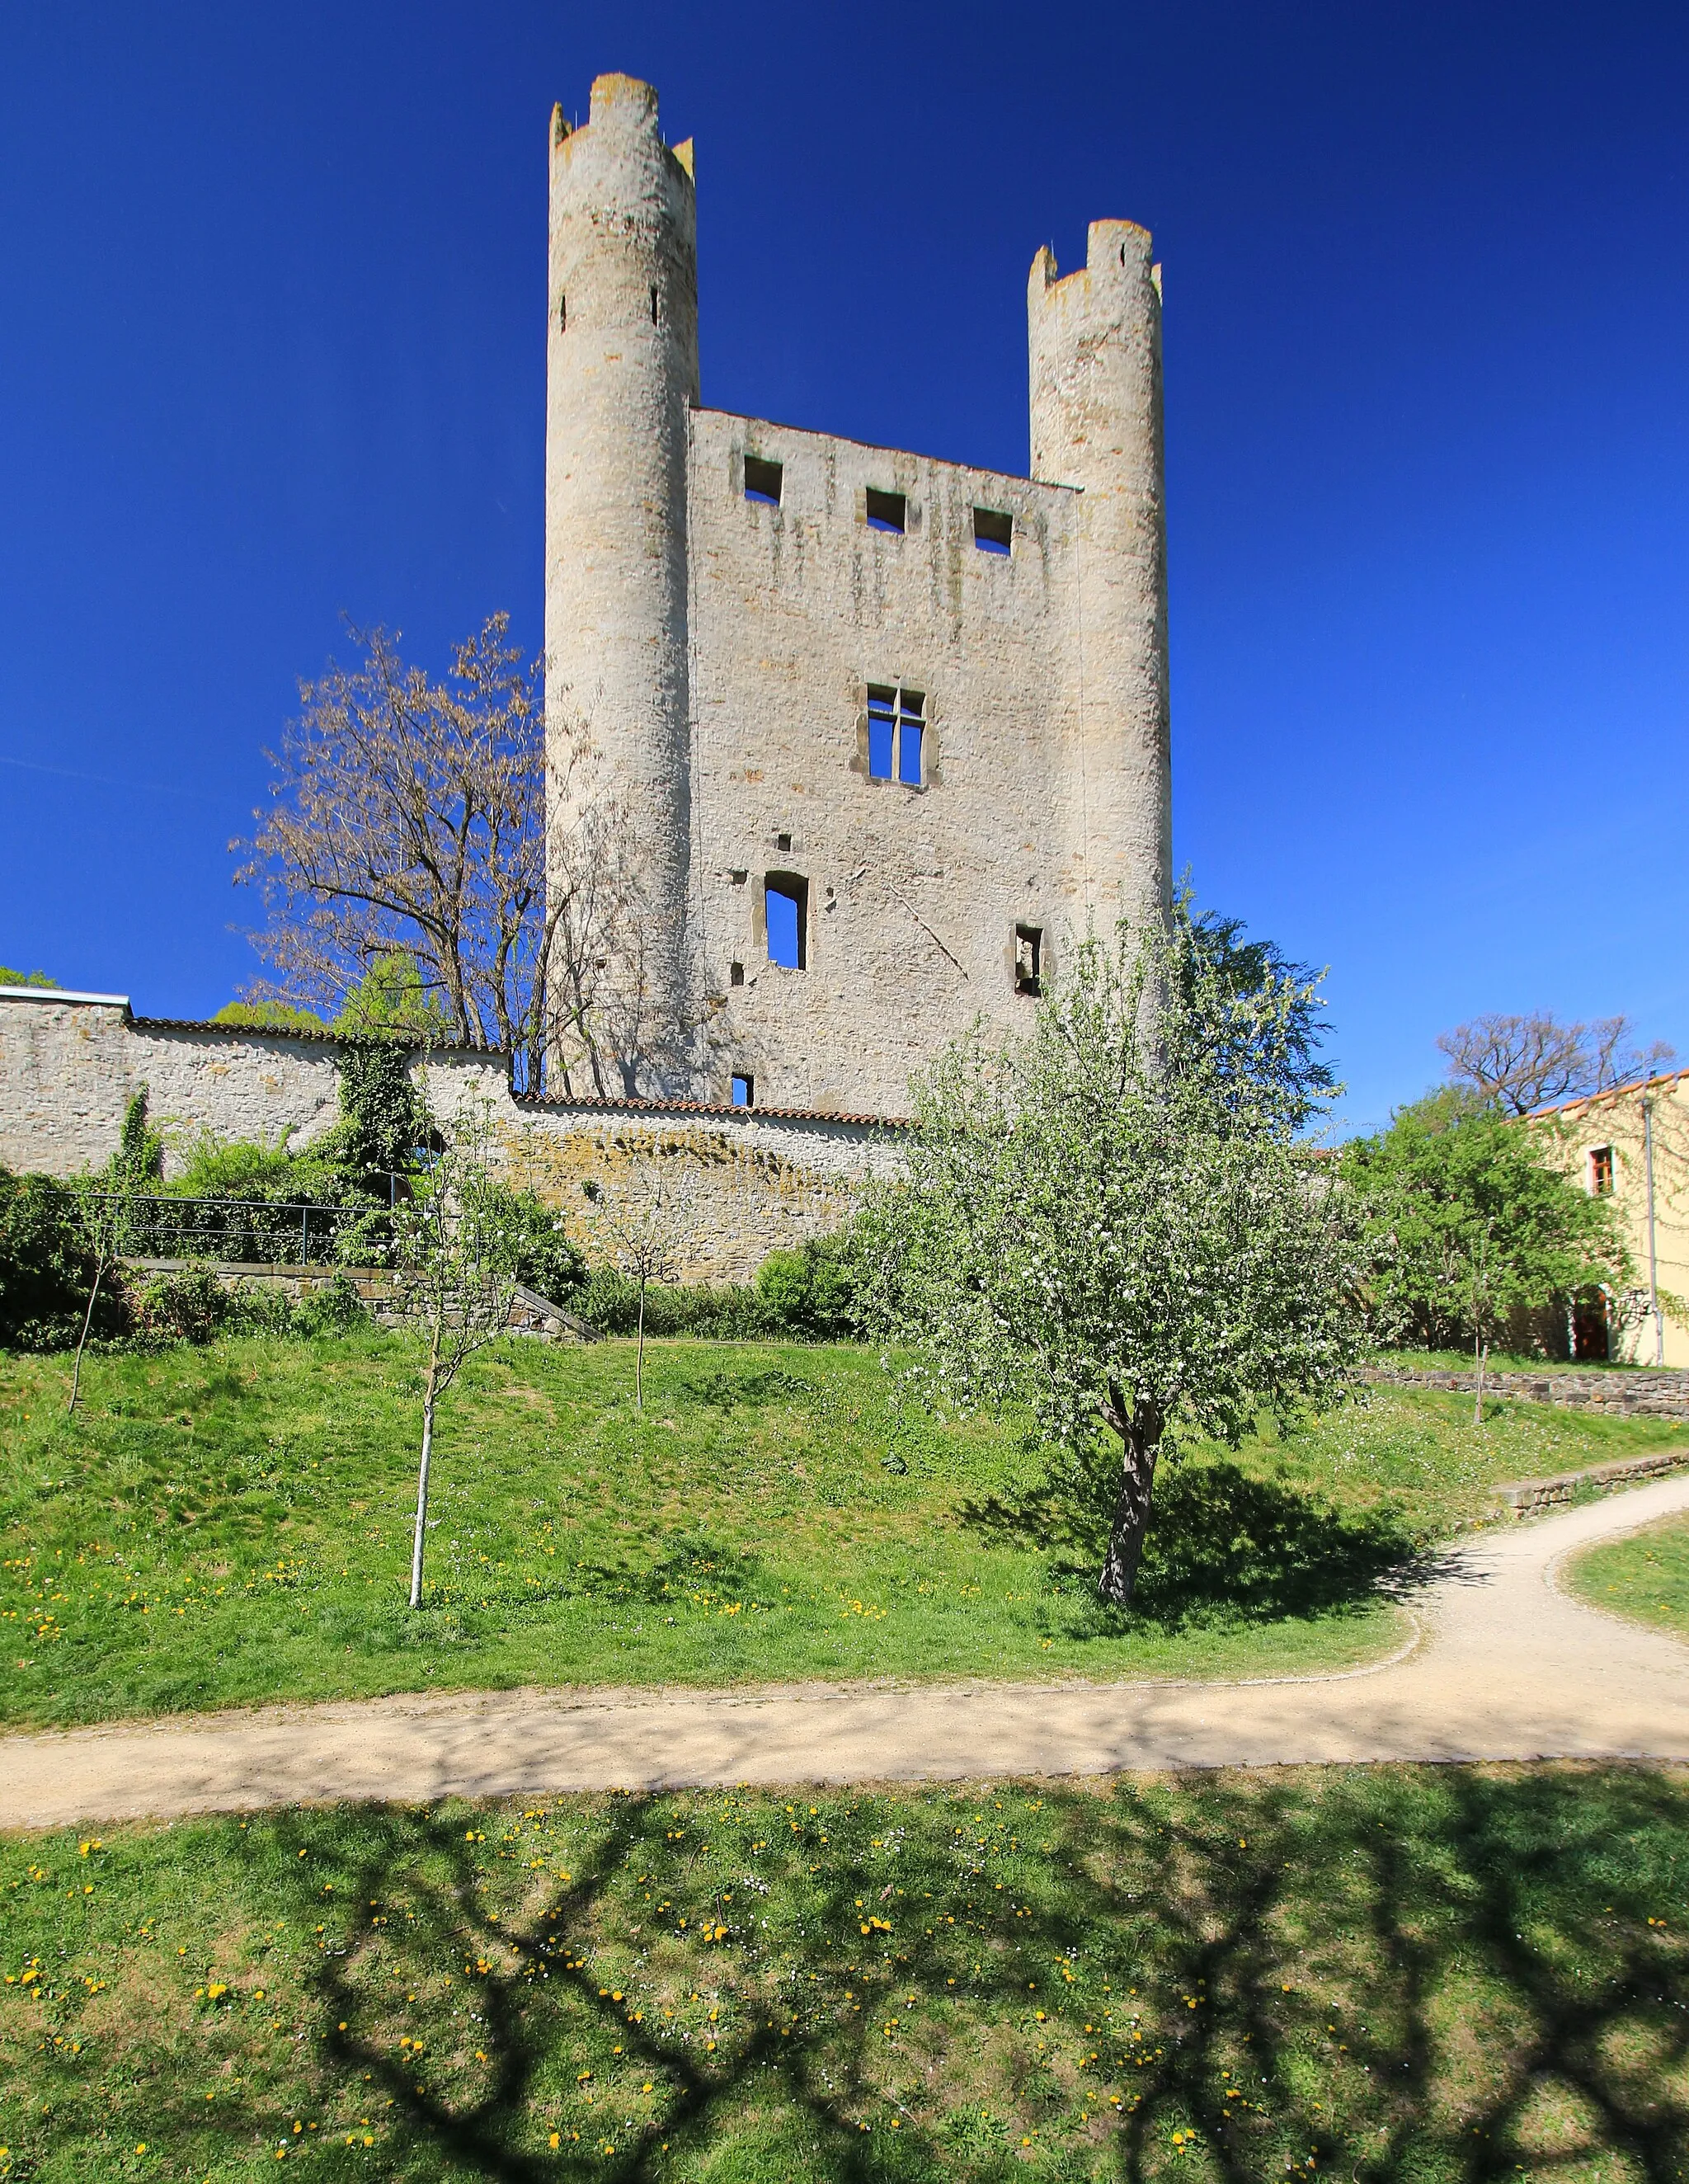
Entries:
{"x":1378,"y":1973}
{"x":1226,"y":1545}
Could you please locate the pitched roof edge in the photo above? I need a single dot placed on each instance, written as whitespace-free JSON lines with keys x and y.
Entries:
{"x":559,"y":1100}
{"x":1611,"y":1092}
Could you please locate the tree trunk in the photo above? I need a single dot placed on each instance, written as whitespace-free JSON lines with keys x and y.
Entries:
{"x":1140,"y":1448}
{"x":639,"y":1354}
{"x":1481,"y":1353}
{"x":423,"y":1469}
{"x":82,"y":1343}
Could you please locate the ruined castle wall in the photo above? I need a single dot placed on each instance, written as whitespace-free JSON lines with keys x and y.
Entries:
{"x":914,"y":890}
{"x":69,"y":1069}
{"x":757,"y":1182}
{"x":752,"y":1185}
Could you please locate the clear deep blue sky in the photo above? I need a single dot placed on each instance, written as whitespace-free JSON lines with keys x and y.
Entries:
{"x":271,"y":349}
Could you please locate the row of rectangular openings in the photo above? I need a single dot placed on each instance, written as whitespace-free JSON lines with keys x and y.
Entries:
{"x":896,"y":722}
{"x":994,"y":530}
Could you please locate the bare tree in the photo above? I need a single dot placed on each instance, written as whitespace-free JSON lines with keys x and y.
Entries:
{"x":411,"y":818}
{"x":454,"y":1250}
{"x":1523,"y":1062}
{"x":647,"y":1224}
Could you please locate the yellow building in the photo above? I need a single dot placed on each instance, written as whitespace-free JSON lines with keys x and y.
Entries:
{"x":1632,"y":1143}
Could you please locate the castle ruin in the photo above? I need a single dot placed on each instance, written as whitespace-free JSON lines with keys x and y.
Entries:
{"x":877,"y":730}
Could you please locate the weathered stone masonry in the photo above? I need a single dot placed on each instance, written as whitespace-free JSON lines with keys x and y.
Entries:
{"x":725,"y":596}
{"x":69,"y":1064}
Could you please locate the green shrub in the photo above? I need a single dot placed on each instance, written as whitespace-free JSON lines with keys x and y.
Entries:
{"x":547,"y":1261}
{"x":804,"y":1295}
{"x":334,"y":1308}
{"x":808,"y":1292}
{"x":46,"y":1267}
{"x":726,"y":1313}
{"x":192,"y":1307}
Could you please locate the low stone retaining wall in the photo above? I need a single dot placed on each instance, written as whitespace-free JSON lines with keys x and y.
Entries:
{"x":381,"y":1295}
{"x":1525,"y":1494}
{"x":1628,"y":1394}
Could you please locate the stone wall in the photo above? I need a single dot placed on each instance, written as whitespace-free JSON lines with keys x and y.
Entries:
{"x":70,"y":1064}
{"x":758,"y":1179}
{"x":1627,"y":1393}
{"x":756,"y":1183}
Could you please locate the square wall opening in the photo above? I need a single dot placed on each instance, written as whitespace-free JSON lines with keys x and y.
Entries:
{"x":887,"y":511}
{"x":763,"y":479}
{"x":994,"y":533}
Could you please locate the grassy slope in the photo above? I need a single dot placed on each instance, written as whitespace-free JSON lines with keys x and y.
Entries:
{"x":1646,"y":1576}
{"x":232,"y":1524}
{"x":1432,"y":1974}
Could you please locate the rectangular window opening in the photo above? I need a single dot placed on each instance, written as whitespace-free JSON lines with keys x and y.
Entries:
{"x":881,"y":732}
{"x":1600,"y":1171}
{"x":887,"y":511}
{"x":745,"y":1091}
{"x":896,"y":725}
{"x":735,"y":974}
{"x":762,"y":479}
{"x":1028,"y":958}
{"x":994,"y":533}
{"x":785,"y":901}
{"x":911,"y":721}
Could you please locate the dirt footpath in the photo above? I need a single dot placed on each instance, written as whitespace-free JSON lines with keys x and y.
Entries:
{"x":1504,"y":1665}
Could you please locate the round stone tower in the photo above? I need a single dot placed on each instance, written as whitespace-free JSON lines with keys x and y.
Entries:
{"x":621,"y":377}
{"x":1094,"y":348}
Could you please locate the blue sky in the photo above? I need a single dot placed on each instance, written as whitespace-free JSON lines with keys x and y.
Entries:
{"x":271,"y":349}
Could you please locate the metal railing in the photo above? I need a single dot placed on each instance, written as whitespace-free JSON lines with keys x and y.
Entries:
{"x":242,"y":1231}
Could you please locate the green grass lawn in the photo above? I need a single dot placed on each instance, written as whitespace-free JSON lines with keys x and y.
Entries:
{"x":1441,"y":1975}
{"x":232,"y":1524}
{"x":1646,"y":1575}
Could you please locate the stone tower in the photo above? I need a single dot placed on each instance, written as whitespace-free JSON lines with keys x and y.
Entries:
{"x":1094,"y":353}
{"x":621,"y":379}
{"x":873,"y":735}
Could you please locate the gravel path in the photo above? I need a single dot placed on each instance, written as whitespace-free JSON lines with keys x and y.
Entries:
{"x":1505,"y":1665}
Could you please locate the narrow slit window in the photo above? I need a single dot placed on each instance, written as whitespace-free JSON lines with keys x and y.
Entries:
{"x":882,"y":732}
{"x":994,"y":533}
{"x":762,"y":479}
{"x":887,"y":511}
{"x":562,"y":315}
{"x":745,"y":1091}
{"x":653,"y":307}
{"x":1028,"y":958}
{"x":786,"y":908}
{"x":1600,"y":1171}
{"x":910,"y":725}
